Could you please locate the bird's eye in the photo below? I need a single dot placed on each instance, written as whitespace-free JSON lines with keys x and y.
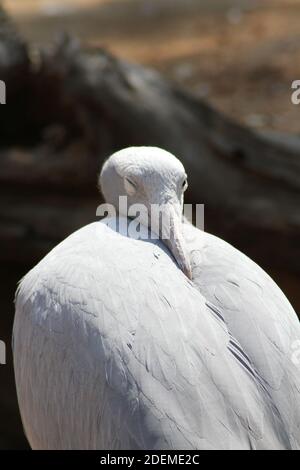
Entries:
{"x":184,"y":184}
{"x":129,"y":185}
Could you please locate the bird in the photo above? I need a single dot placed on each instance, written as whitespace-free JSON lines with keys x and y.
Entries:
{"x":153,"y":342}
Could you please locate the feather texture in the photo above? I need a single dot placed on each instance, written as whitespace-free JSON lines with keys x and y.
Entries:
{"x":114,"y":348}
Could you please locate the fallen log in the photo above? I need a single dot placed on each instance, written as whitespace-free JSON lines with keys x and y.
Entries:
{"x":83,"y":104}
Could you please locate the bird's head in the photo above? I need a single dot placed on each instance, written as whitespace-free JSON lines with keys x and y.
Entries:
{"x":156,"y":180}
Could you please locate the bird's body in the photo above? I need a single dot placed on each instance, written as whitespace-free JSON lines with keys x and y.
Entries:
{"x":115,"y":348}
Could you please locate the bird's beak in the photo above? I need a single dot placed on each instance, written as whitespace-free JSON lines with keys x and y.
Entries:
{"x":171,"y":232}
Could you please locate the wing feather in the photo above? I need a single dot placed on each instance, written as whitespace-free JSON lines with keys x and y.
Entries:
{"x":115,"y":349}
{"x":257,"y":314}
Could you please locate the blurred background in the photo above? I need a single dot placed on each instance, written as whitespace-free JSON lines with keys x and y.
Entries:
{"x":239,"y":54}
{"x":236,"y":60}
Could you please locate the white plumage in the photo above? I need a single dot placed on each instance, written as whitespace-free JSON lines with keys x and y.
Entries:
{"x":115,"y":348}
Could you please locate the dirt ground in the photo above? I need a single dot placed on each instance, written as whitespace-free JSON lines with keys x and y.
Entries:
{"x":240,"y":55}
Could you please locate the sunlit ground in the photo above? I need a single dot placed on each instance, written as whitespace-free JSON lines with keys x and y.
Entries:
{"x":240,"y":55}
